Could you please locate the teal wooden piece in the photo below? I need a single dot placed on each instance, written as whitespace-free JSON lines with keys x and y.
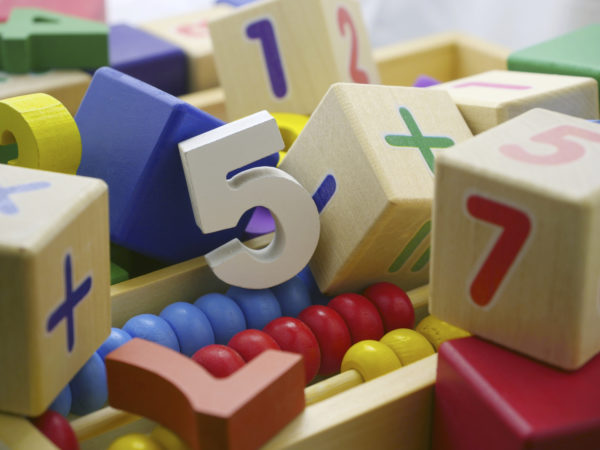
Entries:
{"x":33,"y":40}
{"x":575,"y":53}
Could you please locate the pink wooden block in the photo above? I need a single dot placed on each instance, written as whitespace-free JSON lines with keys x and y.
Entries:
{"x":89,"y":9}
{"x":489,"y":397}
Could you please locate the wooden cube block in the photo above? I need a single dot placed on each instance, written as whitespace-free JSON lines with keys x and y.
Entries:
{"x":443,"y":56}
{"x":67,"y":86}
{"x":489,"y":397}
{"x":148,"y":58}
{"x":378,"y":144}
{"x":190,"y":33}
{"x":569,"y":54}
{"x":516,"y":225}
{"x":54,"y":273}
{"x":282,"y":55}
{"x":488,"y":99}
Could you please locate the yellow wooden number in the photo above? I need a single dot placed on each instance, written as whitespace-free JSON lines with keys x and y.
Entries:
{"x":45,"y":132}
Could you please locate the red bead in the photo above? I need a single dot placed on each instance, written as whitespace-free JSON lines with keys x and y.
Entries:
{"x":219,"y":360}
{"x":57,"y":429}
{"x":294,"y":336}
{"x":332,"y":334}
{"x":361,"y":316}
{"x":251,"y":343}
{"x":393,"y":304}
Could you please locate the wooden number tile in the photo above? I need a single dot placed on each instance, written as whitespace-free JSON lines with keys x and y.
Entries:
{"x":241,"y":411}
{"x":54,"y":273}
{"x":190,"y":32}
{"x":67,"y":86}
{"x":36,"y":40}
{"x":377,"y":145}
{"x":282,"y":55}
{"x":148,"y":58}
{"x":569,"y":54}
{"x":516,"y":237}
{"x":130,"y":131}
{"x":44,"y":132}
{"x":488,"y":99}
{"x":489,"y":397}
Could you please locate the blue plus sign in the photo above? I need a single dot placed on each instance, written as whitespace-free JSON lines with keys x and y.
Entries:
{"x":65,"y":309}
{"x":6,"y":204}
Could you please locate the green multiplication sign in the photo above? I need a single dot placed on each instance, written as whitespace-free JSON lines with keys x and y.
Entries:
{"x":424,"y":144}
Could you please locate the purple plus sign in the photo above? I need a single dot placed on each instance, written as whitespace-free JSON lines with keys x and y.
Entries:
{"x":72,"y":298}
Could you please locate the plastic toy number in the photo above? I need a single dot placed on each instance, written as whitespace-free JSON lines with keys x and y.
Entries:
{"x":218,"y":203}
{"x":566,"y":151}
{"x":345,"y":21}
{"x":516,"y":227}
{"x":264,"y":31}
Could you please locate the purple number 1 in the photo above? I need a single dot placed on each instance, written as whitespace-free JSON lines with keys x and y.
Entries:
{"x":263,"y":30}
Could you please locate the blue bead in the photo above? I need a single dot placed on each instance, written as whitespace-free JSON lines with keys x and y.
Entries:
{"x":152,"y":328}
{"x":317,"y":298}
{"x":293,"y":296}
{"x":62,"y":403}
{"x":192,"y":327}
{"x":224,"y":315}
{"x":259,"y":305}
{"x":89,"y":390}
{"x":115,"y":339}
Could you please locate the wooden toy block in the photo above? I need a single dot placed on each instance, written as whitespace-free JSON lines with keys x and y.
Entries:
{"x":569,"y":54}
{"x":190,"y":32}
{"x":18,"y":433}
{"x":443,"y":56}
{"x":36,"y":40}
{"x":207,"y":159}
{"x":148,"y":58}
{"x":515,"y":256}
{"x":67,"y":86}
{"x":488,"y":99}
{"x":489,"y":397}
{"x":44,"y":131}
{"x":241,"y":411}
{"x":54,"y":273}
{"x":376,"y":225}
{"x":150,"y":211}
{"x":91,"y":9}
{"x":262,"y":65}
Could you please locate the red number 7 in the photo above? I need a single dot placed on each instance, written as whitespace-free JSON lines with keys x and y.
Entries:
{"x":516,"y":227}
{"x":566,"y":151}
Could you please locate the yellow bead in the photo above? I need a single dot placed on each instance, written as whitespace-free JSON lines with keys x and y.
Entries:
{"x":290,"y":125}
{"x":168,"y":439}
{"x":408,"y":345}
{"x":135,"y":441}
{"x":371,"y":359}
{"x":45,"y":132}
{"x":437,"y":331}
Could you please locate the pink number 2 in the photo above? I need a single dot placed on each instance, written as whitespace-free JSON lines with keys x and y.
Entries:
{"x":566,"y":150}
{"x":345,"y":20}
{"x":516,"y":227}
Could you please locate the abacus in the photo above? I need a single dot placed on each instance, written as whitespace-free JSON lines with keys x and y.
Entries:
{"x":345,"y":173}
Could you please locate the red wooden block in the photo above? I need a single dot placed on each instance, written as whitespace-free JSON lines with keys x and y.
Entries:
{"x":489,"y":397}
{"x":241,"y":411}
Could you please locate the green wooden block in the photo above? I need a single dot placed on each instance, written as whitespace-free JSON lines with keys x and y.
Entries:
{"x":575,"y":53}
{"x":117,"y":273}
{"x":33,"y":40}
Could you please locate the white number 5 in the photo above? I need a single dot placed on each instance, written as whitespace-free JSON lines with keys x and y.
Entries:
{"x":219,"y":203}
